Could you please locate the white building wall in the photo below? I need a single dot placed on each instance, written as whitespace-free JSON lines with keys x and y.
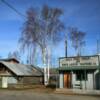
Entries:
{"x":7,"y":80}
{"x":75,"y":83}
{"x":89,"y":83}
{"x":61,"y":81}
{"x":83,"y":84}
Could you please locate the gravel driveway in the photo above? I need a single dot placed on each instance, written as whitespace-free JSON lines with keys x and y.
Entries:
{"x":31,"y":95}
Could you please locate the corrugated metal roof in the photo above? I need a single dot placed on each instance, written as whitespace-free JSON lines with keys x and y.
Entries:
{"x":21,"y":69}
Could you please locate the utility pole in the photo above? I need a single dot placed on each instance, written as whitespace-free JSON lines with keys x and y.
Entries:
{"x":66,"y":45}
{"x":98,"y":46}
{"x":98,"y":43}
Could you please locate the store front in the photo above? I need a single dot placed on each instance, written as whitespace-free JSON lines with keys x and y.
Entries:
{"x":79,"y":75}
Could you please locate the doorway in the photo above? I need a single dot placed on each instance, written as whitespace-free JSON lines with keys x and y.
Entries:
{"x":67,"y":80}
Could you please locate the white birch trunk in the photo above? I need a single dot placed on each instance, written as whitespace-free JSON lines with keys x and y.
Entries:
{"x":49,"y":54}
{"x":45,"y":69}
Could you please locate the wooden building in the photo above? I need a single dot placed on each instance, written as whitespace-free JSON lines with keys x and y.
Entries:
{"x":79,"y":72}
{"x":13,"y":73}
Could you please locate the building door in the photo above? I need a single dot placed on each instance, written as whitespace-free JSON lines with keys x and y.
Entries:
{"x":67,"y":80}
{"x":4,"y":82}
{"x":97,"y":81}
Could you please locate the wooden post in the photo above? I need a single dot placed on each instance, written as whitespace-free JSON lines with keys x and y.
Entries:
{"x":81,"y":82}
{"x":71,"y":79}
{"x":85,"y":78}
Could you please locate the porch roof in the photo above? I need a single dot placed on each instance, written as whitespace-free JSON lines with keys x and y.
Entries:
{"x":63,"y":68}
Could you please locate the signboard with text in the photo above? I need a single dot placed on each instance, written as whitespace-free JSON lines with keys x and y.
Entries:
{"x":80,"y":61}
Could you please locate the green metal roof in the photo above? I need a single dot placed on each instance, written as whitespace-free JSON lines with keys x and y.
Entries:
{"x":78,"y":68}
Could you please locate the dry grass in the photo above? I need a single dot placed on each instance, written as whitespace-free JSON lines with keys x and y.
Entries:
{"x":32,"y":88}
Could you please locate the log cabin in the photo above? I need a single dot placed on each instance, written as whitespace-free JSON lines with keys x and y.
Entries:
{"x":12,"y":73}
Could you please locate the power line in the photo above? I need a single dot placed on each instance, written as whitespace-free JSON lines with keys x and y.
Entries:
{"x":10,"y":6}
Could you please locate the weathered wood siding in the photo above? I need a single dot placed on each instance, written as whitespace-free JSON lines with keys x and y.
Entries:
{"x":30,"y":80}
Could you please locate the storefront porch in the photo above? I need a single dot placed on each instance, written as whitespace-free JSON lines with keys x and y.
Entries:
{"x":78,"y":77}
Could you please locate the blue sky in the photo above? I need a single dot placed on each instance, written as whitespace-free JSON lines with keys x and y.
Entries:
{"x":84,"y":14}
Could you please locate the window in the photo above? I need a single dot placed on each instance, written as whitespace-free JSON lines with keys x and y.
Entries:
{"x":64,"y":65}
{"x":68,"y":59}
{"x":81,"y":76}
{"x":85,"y":58}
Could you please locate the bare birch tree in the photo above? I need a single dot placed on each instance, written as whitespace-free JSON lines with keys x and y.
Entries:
{"x":77,"y":39}
{"x":42,"y":29}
